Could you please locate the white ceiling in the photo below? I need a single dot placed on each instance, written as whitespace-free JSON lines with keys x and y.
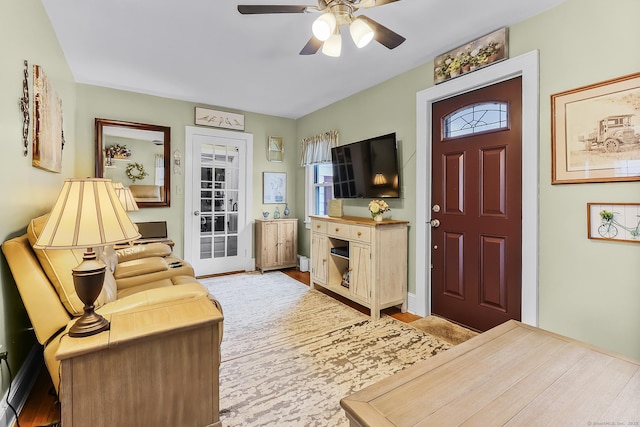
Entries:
{"x":205,"y":52}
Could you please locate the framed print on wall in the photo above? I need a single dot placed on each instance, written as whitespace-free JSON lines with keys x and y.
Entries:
{"x":219,"y":119}
{"x":614,"y":221}
{"x":595,"y":132}
{"x":275,"y":149}
{"x":275,"y":187}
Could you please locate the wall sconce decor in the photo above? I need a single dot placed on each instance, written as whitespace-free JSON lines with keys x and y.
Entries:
{"x":177,"y":162}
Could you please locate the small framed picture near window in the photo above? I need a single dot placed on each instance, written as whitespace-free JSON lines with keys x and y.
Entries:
{"x":595,"y":132}
{"x":614,"y":221}
{"x":275,"y":149}
{"x":275,"y":187}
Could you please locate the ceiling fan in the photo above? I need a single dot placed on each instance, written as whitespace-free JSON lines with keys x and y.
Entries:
{"x":335,"y":14}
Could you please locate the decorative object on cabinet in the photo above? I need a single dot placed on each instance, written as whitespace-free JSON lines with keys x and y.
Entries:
{"x":24,"y":107}
{"x":614,"y":221}
{"x":595,"y":132}
{"x":281,"y":234}
{"x":219,"y":119}
{"x":374,"y":254}
{"x":48,"y":133}
{"x":377,"y":208}
{"x":286,"y":211}
{"x":149,"y":145}
{"x":276,"y":213}
{"x":335,"y":208}
{"x":275,"y":187}
{"x":265,"y":214}
{"x":474,"y":55}
{"x":79,"y":219}
{"x":275,"y":149}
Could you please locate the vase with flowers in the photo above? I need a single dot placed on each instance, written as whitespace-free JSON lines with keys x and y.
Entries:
{"x":377,"y":209}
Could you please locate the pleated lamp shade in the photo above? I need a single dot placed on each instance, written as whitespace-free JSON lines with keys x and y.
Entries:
{"x":87,"y":214}
{"x":126,"y":198}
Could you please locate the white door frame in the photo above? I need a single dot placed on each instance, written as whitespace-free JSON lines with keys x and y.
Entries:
{"x":245,"y":231}
{"x":526,"y":66}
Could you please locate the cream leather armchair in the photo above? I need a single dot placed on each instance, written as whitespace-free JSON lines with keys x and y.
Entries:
{"x":136,"y":277}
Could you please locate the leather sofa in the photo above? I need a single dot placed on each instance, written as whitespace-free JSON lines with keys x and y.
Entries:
{"x":136,"y":277}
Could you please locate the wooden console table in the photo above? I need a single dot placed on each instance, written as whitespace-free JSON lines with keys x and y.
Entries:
{"x":514,"y":375}
{"x":360,"y":259}
{"x":157,"y":366}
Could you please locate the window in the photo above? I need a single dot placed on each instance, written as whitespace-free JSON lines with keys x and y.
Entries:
{"x":319,"y":189}
{"x":476,"y":119}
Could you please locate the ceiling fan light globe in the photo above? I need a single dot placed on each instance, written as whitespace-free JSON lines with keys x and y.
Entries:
{"x":332,"y":46}
{"x":361,"y":32}
{"x":324,"y":26}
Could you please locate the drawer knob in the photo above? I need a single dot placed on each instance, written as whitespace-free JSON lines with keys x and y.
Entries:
{"x":318,"y":226}
{"x":337,"y":229}
{"x":359,"y":233}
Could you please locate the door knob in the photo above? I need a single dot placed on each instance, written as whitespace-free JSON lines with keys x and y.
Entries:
{"x":435,"y":223}
{"x":196,"y":213}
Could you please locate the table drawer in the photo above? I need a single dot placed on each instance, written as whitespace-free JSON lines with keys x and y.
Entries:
{"x":318,"y":226}
{"x":341,"y":231}
{"x":360,"y":233}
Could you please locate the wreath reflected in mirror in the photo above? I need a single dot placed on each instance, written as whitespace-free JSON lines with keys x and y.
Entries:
{"x":136,"y":171}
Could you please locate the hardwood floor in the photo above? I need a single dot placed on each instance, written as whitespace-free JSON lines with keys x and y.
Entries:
{"x":43,"y":409}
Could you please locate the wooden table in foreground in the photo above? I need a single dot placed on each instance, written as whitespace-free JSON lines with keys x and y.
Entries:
{"x":514,"y":375}
{"x":157,"y":366}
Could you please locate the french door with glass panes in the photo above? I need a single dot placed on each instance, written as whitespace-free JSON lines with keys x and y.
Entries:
{"x":217,"y":221}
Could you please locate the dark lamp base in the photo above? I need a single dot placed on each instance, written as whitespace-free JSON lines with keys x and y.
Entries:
{"x":89,"y":324}
{"x":88,"y":278}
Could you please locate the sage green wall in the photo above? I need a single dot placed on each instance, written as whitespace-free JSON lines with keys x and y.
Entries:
{"x":589,"y":290}
{"x":98,"y":102}
{"x":26,"y":34}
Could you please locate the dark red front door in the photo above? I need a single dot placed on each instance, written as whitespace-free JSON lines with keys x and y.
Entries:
{"x":476,"y":192}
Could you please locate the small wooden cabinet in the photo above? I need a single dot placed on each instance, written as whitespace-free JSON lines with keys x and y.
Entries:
{"x":360,"y":259}
{"x":276,"y":243}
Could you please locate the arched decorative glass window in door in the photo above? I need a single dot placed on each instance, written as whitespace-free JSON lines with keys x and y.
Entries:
{"x":474,"y":119}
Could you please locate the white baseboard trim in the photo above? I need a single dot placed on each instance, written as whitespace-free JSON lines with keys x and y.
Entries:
{"x":20,"y":386}
{"x":412,"y":306}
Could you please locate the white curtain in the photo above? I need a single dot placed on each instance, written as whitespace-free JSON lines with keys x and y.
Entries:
{"x":317,"y":149}
{"x":159,"y":170}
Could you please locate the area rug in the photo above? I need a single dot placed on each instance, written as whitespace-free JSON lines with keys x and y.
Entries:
{"x":291,"y":353}
{"x":443,"y":329}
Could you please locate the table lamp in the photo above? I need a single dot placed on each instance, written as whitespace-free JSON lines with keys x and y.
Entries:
{"x":126,"y":198}
{"x":87,"y":214}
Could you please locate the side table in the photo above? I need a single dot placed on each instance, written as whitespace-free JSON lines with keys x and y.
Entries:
{"x":156,"y":366}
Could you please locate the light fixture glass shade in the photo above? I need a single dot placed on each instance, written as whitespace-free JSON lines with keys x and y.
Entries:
{"x":87,"y":214}
{"x":126,"y":198}
{"x":332,"y":46}
{"x":361,"y":32}
{"x":324,"y":26}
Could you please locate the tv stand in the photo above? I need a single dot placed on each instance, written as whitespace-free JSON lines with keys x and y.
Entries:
{"x":360,"y":259}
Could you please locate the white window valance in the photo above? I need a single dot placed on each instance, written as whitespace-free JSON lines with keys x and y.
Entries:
{"x":317,"y":149}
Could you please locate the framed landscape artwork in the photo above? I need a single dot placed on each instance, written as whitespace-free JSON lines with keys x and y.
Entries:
{"x":595,"y":132}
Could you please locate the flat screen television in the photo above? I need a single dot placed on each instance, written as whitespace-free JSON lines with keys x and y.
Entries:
{"x":366,"y":169}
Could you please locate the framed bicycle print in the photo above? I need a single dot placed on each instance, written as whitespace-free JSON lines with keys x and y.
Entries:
{"x":614,"y":221}
{"x":595,"y":132}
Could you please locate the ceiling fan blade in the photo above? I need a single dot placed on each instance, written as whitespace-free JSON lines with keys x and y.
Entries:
{"x":366,"y":4}
{"x":257,"y":9}
{"x":383,"y":35}
{"x":312,"y":46}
